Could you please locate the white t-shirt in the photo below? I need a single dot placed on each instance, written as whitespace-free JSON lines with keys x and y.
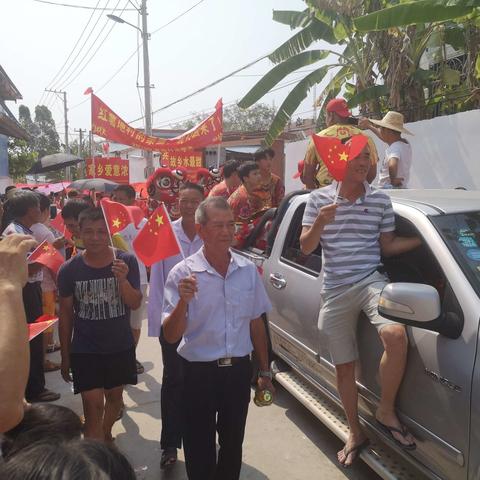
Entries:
{"x":403,"y":151}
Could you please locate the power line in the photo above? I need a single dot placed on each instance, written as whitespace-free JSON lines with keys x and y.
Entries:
{"x":78,"y":6}
{"x":75,"y":72}
{"x":69,"y":55}
{"x":134,"y":53}
{"x":206,"y":87}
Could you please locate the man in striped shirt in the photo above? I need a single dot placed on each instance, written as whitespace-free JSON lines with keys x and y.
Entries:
{"x":353,"y":233}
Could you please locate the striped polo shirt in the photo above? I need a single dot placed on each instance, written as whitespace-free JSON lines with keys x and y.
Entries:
{"x":350,"y":244}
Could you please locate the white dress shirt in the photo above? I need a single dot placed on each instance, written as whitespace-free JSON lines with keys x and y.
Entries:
{"x":218,"y":318}
{"x":159,"y":273}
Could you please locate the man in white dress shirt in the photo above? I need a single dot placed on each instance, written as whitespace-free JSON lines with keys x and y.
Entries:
{"x":190,"y":197}
{"x":213,"y":303}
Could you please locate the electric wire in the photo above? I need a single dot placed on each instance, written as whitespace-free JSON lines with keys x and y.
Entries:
{"x":69,"y":56}
{"x":77,"y":6}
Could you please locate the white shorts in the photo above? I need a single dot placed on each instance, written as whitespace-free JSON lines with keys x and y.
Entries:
{"x":137,"y":316}
{"x":340,"y":312}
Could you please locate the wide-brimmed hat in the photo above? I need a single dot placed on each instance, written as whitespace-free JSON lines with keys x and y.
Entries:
{"x":392,"y":121}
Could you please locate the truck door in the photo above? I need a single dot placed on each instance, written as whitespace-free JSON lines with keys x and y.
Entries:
{"x":293,"y":284}
{"x":434,"y":398}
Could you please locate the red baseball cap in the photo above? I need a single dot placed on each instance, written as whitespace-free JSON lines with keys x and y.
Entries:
{"x":300,"y":165}
{"x":339,"y":106}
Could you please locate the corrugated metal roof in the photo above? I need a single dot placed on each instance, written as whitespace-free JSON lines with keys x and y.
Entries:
{"x":8,"y":91}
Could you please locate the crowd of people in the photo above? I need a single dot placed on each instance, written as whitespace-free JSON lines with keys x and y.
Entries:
{"x":205,"y":305}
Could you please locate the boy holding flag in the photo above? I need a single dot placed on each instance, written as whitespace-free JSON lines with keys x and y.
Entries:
{"x":98,"y":288}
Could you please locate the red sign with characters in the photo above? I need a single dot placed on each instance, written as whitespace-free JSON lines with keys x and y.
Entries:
{"x":177,"y":158}
{"x":114,"y":168}
{"x":107,"y":124}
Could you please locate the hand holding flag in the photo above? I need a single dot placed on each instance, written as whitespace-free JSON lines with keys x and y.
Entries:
{"x":156,"y":240}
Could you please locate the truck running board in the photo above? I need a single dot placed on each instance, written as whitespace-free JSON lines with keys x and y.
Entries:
{"x":384,"y":462}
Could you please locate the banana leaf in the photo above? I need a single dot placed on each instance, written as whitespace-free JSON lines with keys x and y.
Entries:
{"x":422,"y":11}
{"x":293,"y":100}
{"x":302,"y":40}
{"x":292,"y":18}
{"x":371,"y":93}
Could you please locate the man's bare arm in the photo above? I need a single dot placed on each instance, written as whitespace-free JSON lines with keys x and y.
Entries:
{"x":258,"y":335}
{"x":14,"y":349}
{"x":308,"y":176}
{"x":392,"y":245}
{"x":65,"y":328}
{"x":310,"y":236}
{"x":393,"y":172}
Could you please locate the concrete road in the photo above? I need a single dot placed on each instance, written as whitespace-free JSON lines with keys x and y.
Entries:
{"x":282,"y":442}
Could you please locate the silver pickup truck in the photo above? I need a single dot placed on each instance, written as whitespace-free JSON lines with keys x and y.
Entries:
{"x":435,"y":291}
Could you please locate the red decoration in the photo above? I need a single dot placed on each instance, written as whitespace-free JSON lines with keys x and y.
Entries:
{"x":336,"y":155}
{"x":116,"y":215}
{"x":47,"y":255}
{"x":156,"y":240}
{"x":115,"y":169}
{"x":40,"y":325}
{"x":58,"y":224}
{"x":107,"y":124}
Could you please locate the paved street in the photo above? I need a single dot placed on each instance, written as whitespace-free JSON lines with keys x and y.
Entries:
{"x":282,"y":442}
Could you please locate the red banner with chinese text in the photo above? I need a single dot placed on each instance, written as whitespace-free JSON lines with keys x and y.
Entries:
{"x":178,"y":158}
{"x":113,"y":168}
{"x":107,"y":124}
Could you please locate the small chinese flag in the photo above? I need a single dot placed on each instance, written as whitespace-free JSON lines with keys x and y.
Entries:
{"x":116,"y":215}
{"x":40,"y":325}
{"x":58,"y":224}
{"x":156,"y":240}
{"x":47,"y":255}
{"x":336,"y":155}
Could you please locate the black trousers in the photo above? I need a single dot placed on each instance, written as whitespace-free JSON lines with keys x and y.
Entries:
{"x":32,"y":302}
{"x":171,"y":396}
{"x":216,"y":401}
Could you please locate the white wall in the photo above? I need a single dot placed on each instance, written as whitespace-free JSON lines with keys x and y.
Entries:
{"x":446,"y":153}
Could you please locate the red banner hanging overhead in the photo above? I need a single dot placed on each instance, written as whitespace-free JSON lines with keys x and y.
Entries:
{"x":114,"y":168}
{"x":107,"y":124}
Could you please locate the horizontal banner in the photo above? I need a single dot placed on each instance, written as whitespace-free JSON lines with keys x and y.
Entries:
{"x":114,"y":168}
{"x":107,"y":124}
{"x":188,"y":159}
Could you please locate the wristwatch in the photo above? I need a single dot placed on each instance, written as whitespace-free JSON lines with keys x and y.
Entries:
{"x":265,"y":373}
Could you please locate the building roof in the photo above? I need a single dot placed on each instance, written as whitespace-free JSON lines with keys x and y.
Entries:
{"x":8,"y":91}
{"x":9,"y":125}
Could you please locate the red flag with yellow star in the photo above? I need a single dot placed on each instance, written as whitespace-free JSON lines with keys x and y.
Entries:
{"x":117,"y":216}
{"x":156,"y":240}
{"x":47,"y":255}
{"x":335,"y":154}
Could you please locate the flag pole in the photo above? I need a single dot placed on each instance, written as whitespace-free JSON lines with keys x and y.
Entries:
{"x":339,"y":186}
{"x":108,"y":229}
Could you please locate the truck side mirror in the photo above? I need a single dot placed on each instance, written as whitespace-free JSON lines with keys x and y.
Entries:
{"x":418,"y":305}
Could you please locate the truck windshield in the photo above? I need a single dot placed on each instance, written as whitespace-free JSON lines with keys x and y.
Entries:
{"x":461,"y":232}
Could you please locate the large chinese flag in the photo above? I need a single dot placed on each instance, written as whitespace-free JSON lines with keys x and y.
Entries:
{"x":47,"y":255}
{"x":116,"y":215}
{"x":156,"y":240}
{"x":336,"y":155}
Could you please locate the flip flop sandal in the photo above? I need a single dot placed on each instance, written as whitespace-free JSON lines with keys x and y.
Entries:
{"x":403,"y":432}
{"x":355,"y":451}
{"x":168,"y":458}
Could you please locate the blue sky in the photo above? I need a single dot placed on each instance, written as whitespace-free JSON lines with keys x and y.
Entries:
{"x":212,"y":40}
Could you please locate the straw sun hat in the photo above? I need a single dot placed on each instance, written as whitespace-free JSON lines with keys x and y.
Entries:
{"x":393,"y":121}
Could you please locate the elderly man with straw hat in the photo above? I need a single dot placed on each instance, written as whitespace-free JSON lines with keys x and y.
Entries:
{"x":395,"y":168}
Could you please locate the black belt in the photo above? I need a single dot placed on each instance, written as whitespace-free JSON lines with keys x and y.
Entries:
{"x":222,"y":362}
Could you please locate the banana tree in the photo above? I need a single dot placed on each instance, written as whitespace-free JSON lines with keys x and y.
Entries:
{"x":375,"y":67}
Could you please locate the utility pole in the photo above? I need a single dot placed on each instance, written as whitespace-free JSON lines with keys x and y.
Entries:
{"x":65,"y":117}
{"x":80,"y":147}
{"x":146,"y":80}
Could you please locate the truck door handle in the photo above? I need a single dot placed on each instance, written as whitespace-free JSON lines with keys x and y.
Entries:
{"x":277,"y":281}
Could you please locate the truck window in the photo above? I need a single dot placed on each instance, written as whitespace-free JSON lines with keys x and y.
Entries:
{"x":291,"y":253}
